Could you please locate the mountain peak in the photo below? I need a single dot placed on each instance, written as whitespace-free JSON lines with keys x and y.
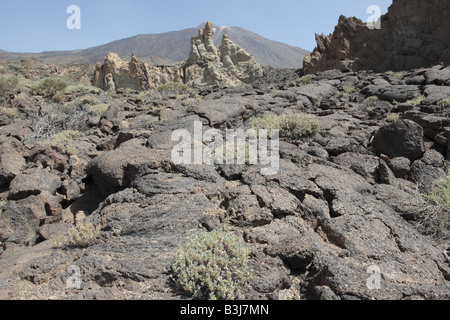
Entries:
{"x":170,"y":48}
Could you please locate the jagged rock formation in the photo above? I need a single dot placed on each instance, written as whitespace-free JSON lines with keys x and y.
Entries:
{"x":228,"y":65}
{"x":115,"y":73}
{"x":413,"y":34}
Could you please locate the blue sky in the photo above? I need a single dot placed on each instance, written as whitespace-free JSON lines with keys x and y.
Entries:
{"x":36,"y":26}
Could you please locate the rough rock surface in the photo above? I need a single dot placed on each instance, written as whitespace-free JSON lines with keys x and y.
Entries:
{"x":413,"y":34}
{"x":115,"y":74}
{"x":227,"y":65}
{"x":339,"y":208}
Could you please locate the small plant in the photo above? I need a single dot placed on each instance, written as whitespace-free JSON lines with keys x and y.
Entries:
{"x":348,"y":89}
{"x":59,"y":241}
{"x":81,"y":88}
{"x":63,"y":142}
{"x":444,"y":103}
{"x":318,"y":103}
{"x":97,"y":110}
{"x":187,"y":102}
{"x":371,"y":99}
{"x":8,"y":84}
{"x":305,"y":80}
{"x":173,"y":88}
{"x":82,"y":235}
{"x":438,"y":218}
{"x":215,"y":212}
{"x":291,"y":126}
{"x":9,"y":112}
{"x":213,"y":265}
{"x":48,"y":87}
{"x":398,"y":76}
{"x":416,"y":101}
{"x":392,"y":117}
{"x":83,"y":102}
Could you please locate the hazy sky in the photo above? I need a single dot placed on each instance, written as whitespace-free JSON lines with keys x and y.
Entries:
{"x":36,"y":26}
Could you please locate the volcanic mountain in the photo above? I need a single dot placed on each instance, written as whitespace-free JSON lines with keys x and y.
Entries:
{"x":173,"y":47}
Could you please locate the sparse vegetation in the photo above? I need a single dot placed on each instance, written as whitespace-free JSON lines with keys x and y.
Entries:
{"x":9,"y":112}
{"x":82,"y":235}
{"x":215,"y":212}
{"x":416,"y":101}
{"x":392,"y":117}
{"x":8,"y":84}
{"x":81,"y":87}
{"x":48,"y":87}
{"x":318,"y":103}
{"x":436,"y":221}
{"x":444,"y":103}
{"x":59,"y":241}
{"x":98,"y":109}
{"x":291,"y":126}
{"x":305,"y":80}
{"x":63,"y":142}
{"x":348,"y":89}
{"x":213,"y":266}
{"x":83,"y":101}
{"x":176,"y":88}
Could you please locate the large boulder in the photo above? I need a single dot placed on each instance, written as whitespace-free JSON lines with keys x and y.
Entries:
{"x":11,"y":164}
{"x":403,"y":138}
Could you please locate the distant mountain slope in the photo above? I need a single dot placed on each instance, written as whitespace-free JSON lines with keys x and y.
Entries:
{"x":173,"y":47}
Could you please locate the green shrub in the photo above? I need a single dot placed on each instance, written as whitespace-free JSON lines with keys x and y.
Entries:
{"x":291,"y":126}
{"x":75,"y":88}
{"x":444,"y":103}
{"x":416,"y":101}
{"x":59,"y":241}
{"x":173,"y":88}
{"x":8,"y":84}
{"x":348,"y":89}
{"x":392,"y":117}
{"x":213,"y":265}
{"x":371,"y":100}
{"x":97,"y":110}
{"x":9,"y":112}
{"x":63,"y":142}
{"x":82,"y":235}
{"x":440,"y":197}
{"x":49,"y":87}
{"x":305,"y":80}
{"x":83,"y":102}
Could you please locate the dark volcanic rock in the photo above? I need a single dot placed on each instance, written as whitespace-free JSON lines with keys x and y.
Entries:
{"x":402,"y":138}
{"x":33,"y":182}
{"x":343,"y":210}
{"x":401,"y":42}
{"x":11,"y":164}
